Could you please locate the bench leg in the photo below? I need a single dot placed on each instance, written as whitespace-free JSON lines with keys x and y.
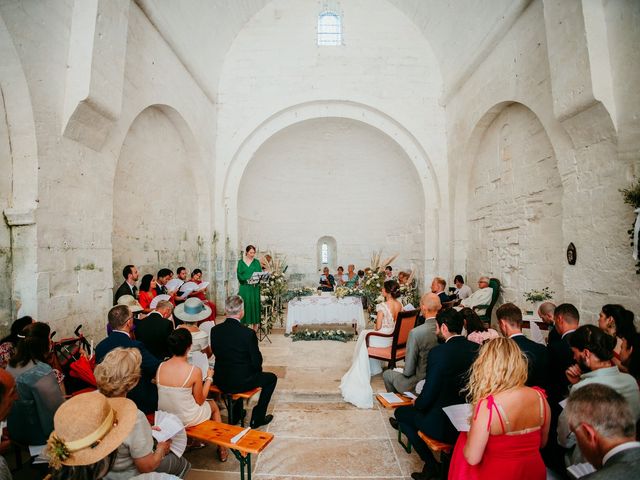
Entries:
{"x":244,"y":461}
{"x":407,"y":446}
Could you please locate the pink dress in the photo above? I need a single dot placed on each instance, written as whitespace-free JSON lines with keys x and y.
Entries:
{"x":516,"y":456}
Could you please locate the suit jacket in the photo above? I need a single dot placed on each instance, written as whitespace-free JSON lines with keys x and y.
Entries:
{"x":153,"y":331}
{"x":238,"y":358}
{"x":560,"y":358}
{"x":538,"y":361}
{"x":447,"y":373}
{"x":145,"y":393}
{"x":122,"y":290}
{"x":619,"y":467}
{"x":161,"y":289}
{"x":554,"y":336}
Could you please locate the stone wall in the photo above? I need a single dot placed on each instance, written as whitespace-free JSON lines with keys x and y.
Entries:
{"x":6,"y":187}
{"x":338,"y":178}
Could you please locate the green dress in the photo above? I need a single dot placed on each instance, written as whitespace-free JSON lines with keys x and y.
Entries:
{"x":249,"y":293}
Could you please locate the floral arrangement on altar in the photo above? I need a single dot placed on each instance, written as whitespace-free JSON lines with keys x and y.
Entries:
{"x":338,"y":335}
{"x":534,"y":296}
{"x":273,"y":292}
{"x":299,"y":292}
{"x":343,"y":291}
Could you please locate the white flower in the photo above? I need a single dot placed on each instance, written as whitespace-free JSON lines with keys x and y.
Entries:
{"x":379,"y":299}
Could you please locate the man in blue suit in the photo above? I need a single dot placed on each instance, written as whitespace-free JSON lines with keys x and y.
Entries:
{"x":447,"y":369}
{"x":145,"y":393}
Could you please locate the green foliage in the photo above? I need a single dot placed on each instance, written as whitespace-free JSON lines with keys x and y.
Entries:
{"x":337,"y":335}
{"x":538,"y":295}
{"x":631,"y":195}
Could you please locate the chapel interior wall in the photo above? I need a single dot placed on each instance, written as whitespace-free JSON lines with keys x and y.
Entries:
{"x":6,"y":187}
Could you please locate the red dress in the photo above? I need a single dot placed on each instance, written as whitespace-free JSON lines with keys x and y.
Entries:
{"x":144,"y":298}
{"x":505,"y":457}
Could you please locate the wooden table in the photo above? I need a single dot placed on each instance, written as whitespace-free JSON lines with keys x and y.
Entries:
{"x":221,"y":434}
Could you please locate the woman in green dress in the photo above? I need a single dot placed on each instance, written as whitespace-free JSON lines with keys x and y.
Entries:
{"x":247,"y":266}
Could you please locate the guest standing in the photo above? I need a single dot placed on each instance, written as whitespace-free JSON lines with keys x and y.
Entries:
{"x":510,"y":421}
{"x":128,"y":287}
{"x":250,"y":294}
{"x":147,"y":292}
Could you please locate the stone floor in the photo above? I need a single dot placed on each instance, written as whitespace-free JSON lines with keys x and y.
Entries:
{"x":317,"y":435}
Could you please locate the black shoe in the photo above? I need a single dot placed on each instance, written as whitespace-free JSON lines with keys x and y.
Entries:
{"x":266,"y":420}
{"x":422,"y":476}
{"x":393,"y":422}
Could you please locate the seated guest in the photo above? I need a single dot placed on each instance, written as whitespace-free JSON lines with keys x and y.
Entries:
{"x":593,"y":351}
{"x":352,"y":278}
{"x":163,"y":276}
{"x":72,"y":449}
{"x":462,"y":291}
{"x":476,"y":330}
{"x":31,"y":418}
{"x":239,"y":361}
{"x":510,"y":322}
{"x":181,"y":273}
{"x":128,"y":287}
{"x":438,"y":284}
{"x":360,"y":276}
{"x":421,"y":340}
{"x":618,"y":322}
{"x":628,"y":359}
{"x":147,"y":292}
{"x":191,"y":314}
{"x":447,"y":367}
{"x":181,"y":389}
{"x":510,"y":421}
{"x":327,"y":282}
{"x":482,"y":296}
{"x":388,"y":272}
{"x":8,"y":395}
{"x":196,"y":277}
{"x":155,"y":328}
{"x":8,"y":343}
{"x":145,"y":393}
{"x":118,"y":373}
{"x":545,"y":313}
{"x":403,"y":278}
{"x":340,"y":277}
{"x":605,"y":430}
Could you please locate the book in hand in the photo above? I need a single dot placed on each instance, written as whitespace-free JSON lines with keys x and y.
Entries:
{"x":170,"y":427}
{"x":459,"y":416}
{"x":259,"y":277}
{"x":578,"y":470}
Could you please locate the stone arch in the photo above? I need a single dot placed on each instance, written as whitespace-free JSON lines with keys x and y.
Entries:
{"x":531,"y":211}
{"x":347,"y":110}
{"x":332,"y":252}
{"x":166,"y":221}
{"x":19,"y":233}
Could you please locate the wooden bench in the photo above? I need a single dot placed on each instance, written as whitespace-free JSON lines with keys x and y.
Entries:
{"x":443,"y":449}
{"x":221,"y":434}
{"x":229,"y":398}
{"x":406,"y":401}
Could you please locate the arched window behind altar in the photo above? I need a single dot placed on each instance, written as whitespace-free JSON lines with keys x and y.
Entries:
{"x":327,"y":253}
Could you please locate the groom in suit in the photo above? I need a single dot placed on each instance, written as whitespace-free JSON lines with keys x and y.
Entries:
{"x":239,"y":361}
{"x":447,"y":367}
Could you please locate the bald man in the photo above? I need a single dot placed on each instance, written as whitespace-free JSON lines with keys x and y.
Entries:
{"x":421,"y":340}
{"x":8,"y":394}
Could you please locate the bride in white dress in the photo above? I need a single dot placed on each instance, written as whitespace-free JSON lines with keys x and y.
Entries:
{"x":356,"y":383}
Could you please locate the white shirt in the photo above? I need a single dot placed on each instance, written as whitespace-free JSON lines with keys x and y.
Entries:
{"x":463,"y":292}
{"x":481,"y":296}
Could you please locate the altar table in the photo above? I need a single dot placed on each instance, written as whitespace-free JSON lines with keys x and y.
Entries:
{"x":315,"y":310}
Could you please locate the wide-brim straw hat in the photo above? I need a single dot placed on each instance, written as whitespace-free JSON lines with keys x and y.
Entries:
{"x":192,"y":310}
{"x":130,"y":302}
{"x":88,"y":427}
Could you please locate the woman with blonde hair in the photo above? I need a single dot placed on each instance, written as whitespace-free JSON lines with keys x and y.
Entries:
{"x":510,"y":422}
{"x":118,"y":373}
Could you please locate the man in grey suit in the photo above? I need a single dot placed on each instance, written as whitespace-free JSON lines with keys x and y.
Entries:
{"x":605,"y":431}
{"x":421,"y":340}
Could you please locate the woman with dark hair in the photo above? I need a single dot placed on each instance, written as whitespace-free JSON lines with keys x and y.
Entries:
{"x":147,"y":292}
{"x":39,"y":395}
{"x":250,"y":293}
{"x":593,"y":351}
{"x":196,"y":277}
{"x":462,"y":291}
{"x":181,"y":389}
{"x":618,"y":322}
{"x":356,"y":383}
{"x":477,"y":332}
{"x":8,"y":343}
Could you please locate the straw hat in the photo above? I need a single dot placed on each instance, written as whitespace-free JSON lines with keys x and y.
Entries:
{"x":192,"y":310}
{"x":130,"y":302}
{"x":87,"y":438}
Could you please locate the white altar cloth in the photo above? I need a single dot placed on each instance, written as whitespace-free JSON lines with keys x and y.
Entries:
{"x":316,"y":310}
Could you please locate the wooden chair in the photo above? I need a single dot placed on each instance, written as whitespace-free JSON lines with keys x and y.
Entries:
{"x":404,"y":324}
{"x":494,"y":283}
{"x":443,"y":451}
{"x":221,"y":434}
{"x":229,"y":398}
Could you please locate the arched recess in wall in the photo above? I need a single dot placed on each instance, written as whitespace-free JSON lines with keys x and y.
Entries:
{"x":417,"y":157}
{"x":326,"y":252}
{"x":19,"y":187}
{"x":510,"y":203}
{"x":161,"y":205}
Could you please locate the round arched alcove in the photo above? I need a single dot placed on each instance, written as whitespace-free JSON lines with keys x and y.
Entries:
{"x":514,"y":208}
{"x":156,"y":204}
{"x":332,"y":177}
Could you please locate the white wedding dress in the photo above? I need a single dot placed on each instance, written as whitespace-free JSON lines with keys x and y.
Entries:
{"x":356,"y":383}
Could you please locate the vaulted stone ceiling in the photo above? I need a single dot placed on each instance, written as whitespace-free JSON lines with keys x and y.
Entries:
{"x":461,"y":32}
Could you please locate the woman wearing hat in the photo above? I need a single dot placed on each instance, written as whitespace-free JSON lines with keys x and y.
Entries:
{"x":182,"y":391}
{"x":247,"y":266}
{"x":118,"y":373}
{"x":191,"y":312}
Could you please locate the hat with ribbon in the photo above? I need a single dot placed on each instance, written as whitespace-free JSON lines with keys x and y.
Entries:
{"x":192,"y":310}
{"x":130,"y":302}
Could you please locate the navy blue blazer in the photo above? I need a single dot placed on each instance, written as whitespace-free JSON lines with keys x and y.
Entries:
{"x":560,"y":358}
{"x":145,"y":393}
{"x":538,"y":361}
{"x":447,"y":374}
